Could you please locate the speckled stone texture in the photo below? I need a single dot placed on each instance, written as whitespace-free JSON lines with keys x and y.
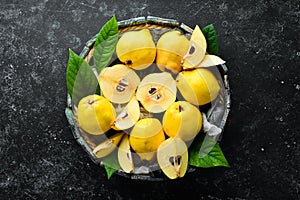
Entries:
{"x":40,"y":159}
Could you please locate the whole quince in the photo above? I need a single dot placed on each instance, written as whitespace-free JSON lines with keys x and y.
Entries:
{"x":145,"y":137}
{"x":136,"y":49}
{"x":183,"y":120}
{"x":96,"y":114}
{"x":171,"y":47}
{"x":198,"y":86}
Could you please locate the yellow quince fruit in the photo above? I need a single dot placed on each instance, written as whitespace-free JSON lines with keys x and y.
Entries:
{"x":125,"y":155}
{"x":182,"y":120}
{"x":198,"y":86}
{"x":95,"y":114}
{"x":118,"y":83}
{"x":196,"y":51}
{"x":145,"y":137}
{"x":105,"y":148}
{"x":136,"y":49}
{"x":127,"y":116}
{"x":171,"y":47}
{"x":196,"y":56}
{"x":172,"y":157}
{"x":157,"y":92}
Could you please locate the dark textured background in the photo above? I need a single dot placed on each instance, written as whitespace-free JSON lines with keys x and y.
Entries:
{"x":40,"y":159}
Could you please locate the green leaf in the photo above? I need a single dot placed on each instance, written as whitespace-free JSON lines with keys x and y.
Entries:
{"x":105,"y":44}
{"x":109,"y":171}
{"x":205,"y":152}
{"x":81,"y":80}
{"x":211,"y":38}
{"x":74,"y":64}
{"x":111,"y":163}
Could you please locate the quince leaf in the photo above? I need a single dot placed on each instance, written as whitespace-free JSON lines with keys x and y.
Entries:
{"x":210,"y":34}
{"x":105,"y":44}
{"x":205,"y":152}
{"x":109,"y":171}
{"x":111,"y":163}
{"x":81,"y":80}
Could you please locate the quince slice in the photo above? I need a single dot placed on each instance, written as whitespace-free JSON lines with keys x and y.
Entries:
{"x":125,"y":155}
{"x":196,"y":51}
{"x":171,"y":47}
{"x":106,"y":147}
{"x":136,"y":49}
{"x":157,"y":92}
{"x":172,"y":157}
{"x":211,"y":60}
{"x":128,"y":116}
{"x":145,"y":137}
{"x":118,"y":83}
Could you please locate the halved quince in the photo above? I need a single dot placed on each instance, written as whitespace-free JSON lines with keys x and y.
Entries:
{"x":106,"y":147}
{"x":171,"y":47}
{"x":145,"y":137}
{"x":136,"y":49}
{"x":128,"y":116}
{"x":125,"y":155}
{"x":118,"y":83}
{"x":95,"y":114}
{"x":172,"y":157}
{"x":183,"y":120}
{"x":157,"y":92}
{"x":196,"y":51}
{"x":198,"y":86}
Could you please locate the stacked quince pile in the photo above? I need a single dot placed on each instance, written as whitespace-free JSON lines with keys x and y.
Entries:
{"x":130,"y":102}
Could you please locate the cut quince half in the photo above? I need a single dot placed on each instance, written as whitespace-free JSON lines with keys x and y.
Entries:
{"x":106,"y":147}
{"x":125,"y":156}
{"x":172,"y":157}
{"x":145,"y":137}
{"x":198,"y":86}
{"x":128,"y":116}
{"x":157,"y":92}
{"x":136,"y":49}
{"x":196,"y":51}
{"x":171,"y":47}
{"x":118,"y":83}
{"x":96,"y":114}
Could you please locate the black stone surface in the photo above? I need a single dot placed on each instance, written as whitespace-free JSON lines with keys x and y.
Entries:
{"x":40,"y":159}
